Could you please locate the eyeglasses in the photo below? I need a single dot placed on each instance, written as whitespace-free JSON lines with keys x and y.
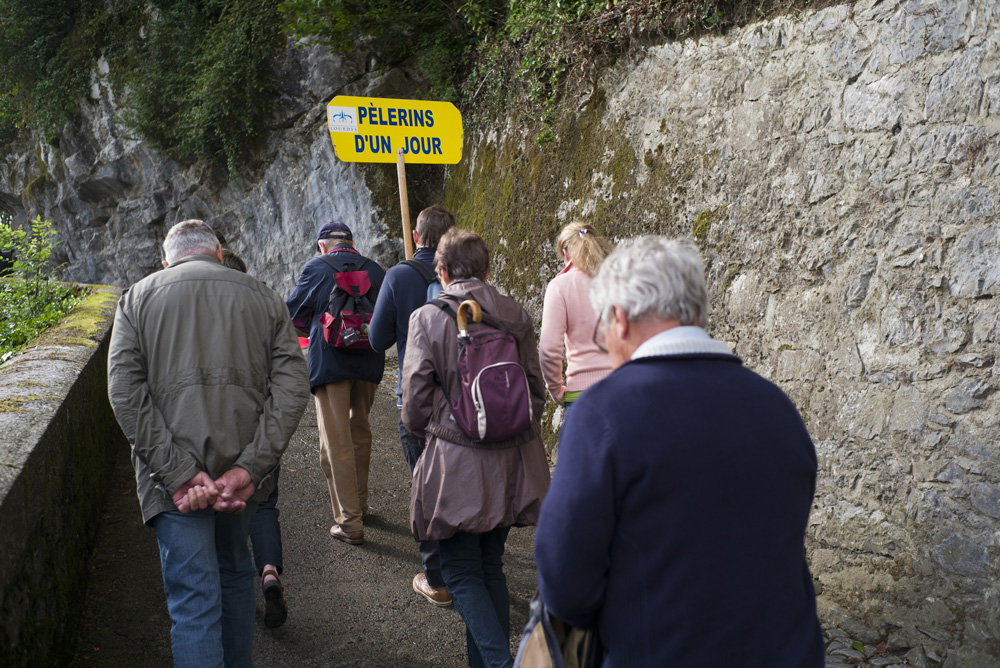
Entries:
{"x":599,"y":335}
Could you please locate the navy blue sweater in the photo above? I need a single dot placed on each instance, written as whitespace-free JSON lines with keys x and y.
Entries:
{"x":676,"y":518}
{"x":403,"y":292}
{"x":307,"y":303}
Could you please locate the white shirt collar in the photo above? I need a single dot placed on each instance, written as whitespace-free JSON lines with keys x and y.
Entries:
{"x":679,"y":341}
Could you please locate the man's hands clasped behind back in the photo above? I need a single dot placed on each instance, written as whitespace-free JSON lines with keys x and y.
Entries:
{"x":229,"y":493}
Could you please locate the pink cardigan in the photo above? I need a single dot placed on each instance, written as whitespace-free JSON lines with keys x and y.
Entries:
{"x":567,"y":317}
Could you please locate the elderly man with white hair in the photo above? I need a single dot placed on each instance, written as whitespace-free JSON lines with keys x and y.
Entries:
{"x":677,"y":513}
{"x":208,"y":384}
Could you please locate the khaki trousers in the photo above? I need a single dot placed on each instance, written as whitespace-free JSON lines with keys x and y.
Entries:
{"x":345,"y":447}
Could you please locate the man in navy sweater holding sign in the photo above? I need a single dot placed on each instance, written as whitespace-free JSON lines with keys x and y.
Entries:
{"x":676,"y":518}
{"x":404,"y":291}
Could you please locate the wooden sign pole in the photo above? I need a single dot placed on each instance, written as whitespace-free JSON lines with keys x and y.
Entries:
{"x":404,"y":204}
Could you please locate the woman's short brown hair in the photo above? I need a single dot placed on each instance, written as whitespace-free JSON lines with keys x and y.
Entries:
{"x":463,"y":255}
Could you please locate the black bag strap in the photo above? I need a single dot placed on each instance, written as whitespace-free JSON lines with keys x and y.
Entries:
{"x":425,"y":272}
{"x":444,"y":306}
{"x":339,"y":266}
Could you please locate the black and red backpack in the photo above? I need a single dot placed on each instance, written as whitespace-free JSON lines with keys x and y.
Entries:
{"x":351,"y":303}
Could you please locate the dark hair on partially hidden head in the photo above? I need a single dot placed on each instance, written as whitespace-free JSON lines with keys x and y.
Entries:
{"x":463,"y":255}
{"x":233,"y":261}
{"x":586,"y":248}
{"x":432,"y":223}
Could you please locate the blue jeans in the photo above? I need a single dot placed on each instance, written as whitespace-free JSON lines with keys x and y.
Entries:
{"x":430,"y":552}
{"x":472,"y":564}
{"x":209,"y":582}
{"x":265,"y":534}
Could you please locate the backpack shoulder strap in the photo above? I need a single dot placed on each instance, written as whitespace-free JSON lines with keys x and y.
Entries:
{"x":444,"y":306}
{"x":340,"y":266}
{"x":336,"y":266}
{"x":488,"y":319}
{"x":425,"y":272}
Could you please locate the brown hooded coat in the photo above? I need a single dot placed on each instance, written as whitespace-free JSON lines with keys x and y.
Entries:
{"x":458,"y":485}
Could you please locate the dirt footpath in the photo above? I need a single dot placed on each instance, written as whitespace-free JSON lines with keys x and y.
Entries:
{"x":348,"y":605}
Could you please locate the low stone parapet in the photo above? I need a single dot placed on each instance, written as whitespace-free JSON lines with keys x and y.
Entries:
{"x":58,"y":436}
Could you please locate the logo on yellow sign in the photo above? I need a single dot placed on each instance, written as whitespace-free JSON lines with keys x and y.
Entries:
{"x":372,"y":129}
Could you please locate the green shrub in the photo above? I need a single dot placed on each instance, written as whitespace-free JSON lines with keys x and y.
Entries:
{"x":440,"y":34}
{"x":46,"y":63}
{"x":511,"y":57}
{"x":192,"y":76}
{"x":31,"y":299}
{"x":199,"y":80}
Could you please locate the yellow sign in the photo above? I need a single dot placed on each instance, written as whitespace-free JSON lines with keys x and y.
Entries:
{"x":372,"y":129}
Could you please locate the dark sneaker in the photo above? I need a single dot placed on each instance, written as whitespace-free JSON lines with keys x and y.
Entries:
{"x":275,"y":612}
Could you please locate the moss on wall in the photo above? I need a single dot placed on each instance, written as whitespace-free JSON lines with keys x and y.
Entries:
{"x":15,"y":404}
{"x":62,"y":453}
{"x":82,"y":325}
{"x":510,"y":189}
{"x":517,"y":194}
{"x":423,"y":184}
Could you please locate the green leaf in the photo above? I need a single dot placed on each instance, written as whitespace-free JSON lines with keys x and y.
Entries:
{"x":858,"y":645}
{"x":31,"y":299}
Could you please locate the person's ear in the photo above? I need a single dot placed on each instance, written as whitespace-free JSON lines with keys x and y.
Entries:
{"x":416,"y":238}
{"x":218,"y":253}
{"x":620,"y":320}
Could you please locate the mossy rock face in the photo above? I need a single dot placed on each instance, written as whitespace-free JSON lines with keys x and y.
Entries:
{"x":702,"y":225}
{"x":848,"y":260}
{"x":517,"y":193}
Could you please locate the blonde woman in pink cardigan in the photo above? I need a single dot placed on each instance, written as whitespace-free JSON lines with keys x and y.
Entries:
{"x":568,"y":318}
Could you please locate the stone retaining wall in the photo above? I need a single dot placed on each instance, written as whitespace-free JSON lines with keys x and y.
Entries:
{"x":840,"y":170}
{"x":58,"y":440}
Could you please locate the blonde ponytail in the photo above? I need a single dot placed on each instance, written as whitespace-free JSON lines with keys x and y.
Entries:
{"x":586,"y":248}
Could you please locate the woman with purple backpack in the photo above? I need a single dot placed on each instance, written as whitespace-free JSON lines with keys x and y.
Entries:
{"x":569,"y":321}
{"x":468,"y":490}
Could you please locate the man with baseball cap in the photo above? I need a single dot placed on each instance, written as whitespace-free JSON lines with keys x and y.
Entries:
{"x":342,"y":380}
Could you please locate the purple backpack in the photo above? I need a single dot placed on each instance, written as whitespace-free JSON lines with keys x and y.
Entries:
{"x":495,"y":402}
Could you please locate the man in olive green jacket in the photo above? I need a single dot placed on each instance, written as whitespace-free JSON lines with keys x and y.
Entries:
{"x":208,"y":383}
